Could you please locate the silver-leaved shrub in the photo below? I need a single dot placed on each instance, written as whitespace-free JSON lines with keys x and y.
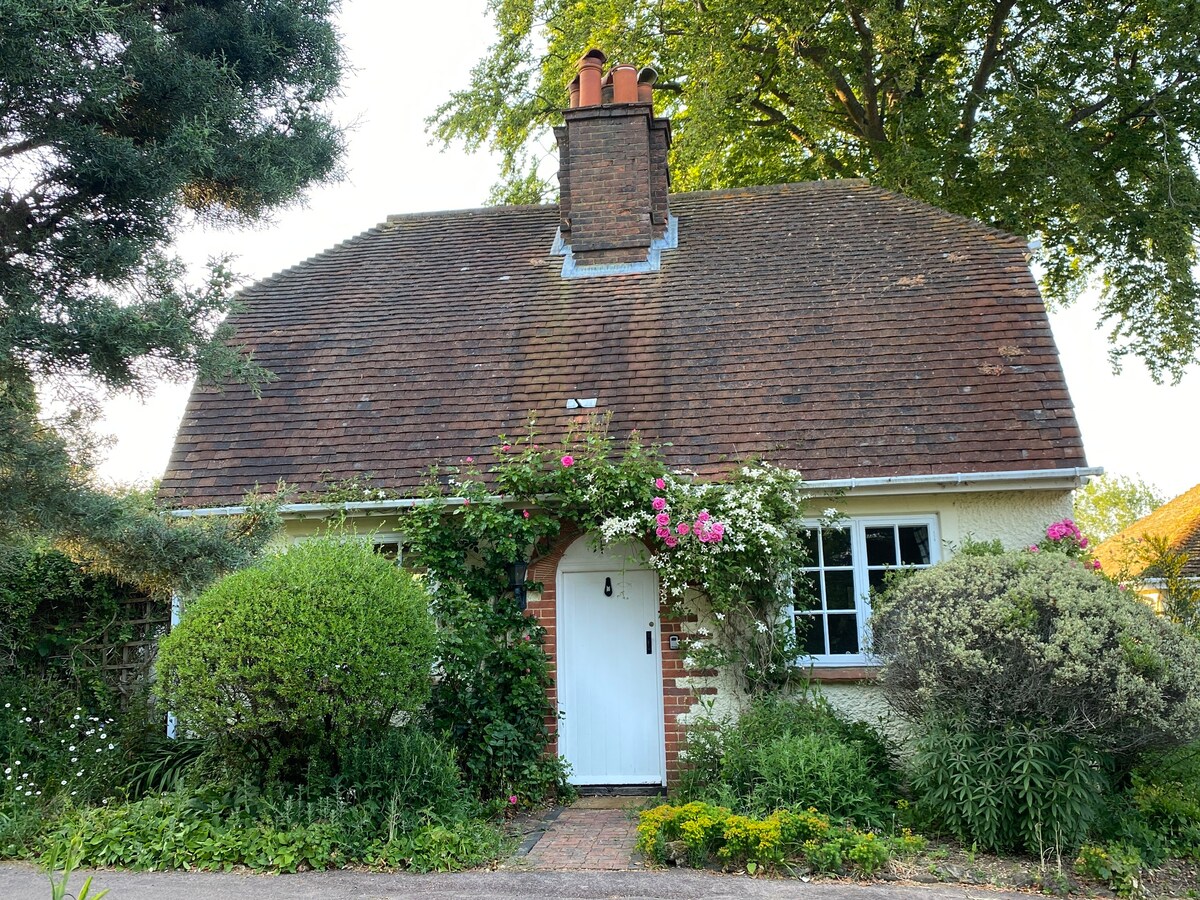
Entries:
{"x":1037,"y":639}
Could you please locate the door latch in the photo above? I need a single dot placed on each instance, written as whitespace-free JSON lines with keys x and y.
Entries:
{"x":607,"y":586}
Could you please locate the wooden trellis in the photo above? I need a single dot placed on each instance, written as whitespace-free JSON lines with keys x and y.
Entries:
{"x":126,"y":649}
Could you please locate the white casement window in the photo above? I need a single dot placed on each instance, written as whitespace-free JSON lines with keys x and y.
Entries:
{"x":389,"y":546}
{"x":832,"y":603}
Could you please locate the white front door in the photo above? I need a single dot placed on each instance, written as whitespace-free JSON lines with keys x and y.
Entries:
{"x":609,"y":673}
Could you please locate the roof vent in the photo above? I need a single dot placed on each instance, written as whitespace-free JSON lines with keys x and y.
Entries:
{"x":581,"y":403}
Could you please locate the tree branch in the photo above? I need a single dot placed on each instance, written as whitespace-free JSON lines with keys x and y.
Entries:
{"x":22,"y":147}
{"x":988,"y":61}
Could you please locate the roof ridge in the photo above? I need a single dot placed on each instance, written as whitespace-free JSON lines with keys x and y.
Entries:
{"x":468,"y":211}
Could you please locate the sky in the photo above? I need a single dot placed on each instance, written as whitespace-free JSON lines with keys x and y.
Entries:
{"x":405,"y":59}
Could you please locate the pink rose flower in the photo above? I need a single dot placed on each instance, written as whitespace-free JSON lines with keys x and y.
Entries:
{"x":1034,"y":548}
{"x":567,"y":461}
{"x":683,"y":528}
{"x":506,"y":448}
{"x":1096,"y":564}
{"x":1083,"y":542}
{"x":512,"y":799}
{"x":703,"y":516}
{"x":671,"y":540}
{"x":718,"y":531}
{"x":659,"y":503}
{"x":470,"y":459}
{"x":663,"y":518}
{"x":662,"y":531}
{"x":659,"y":483}
{"x":525,"y":513}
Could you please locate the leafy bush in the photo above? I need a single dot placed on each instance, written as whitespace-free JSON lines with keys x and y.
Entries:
{"x":415,"y":816}
{"x":1035,"y":639}
{"x":1022,"y":788}
{"x":404,"y":773}
{"x":491,"y":698}
{"x":790,"y":753}
{"x":707,"y":831}
{"x":288,"y":658}
{"x":1119,"y":865}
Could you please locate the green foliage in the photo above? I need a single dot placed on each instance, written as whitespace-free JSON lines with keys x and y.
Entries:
{"x":218,"y":828}
{"x":1118,"y":865}
{"x":406,"y":775}
{"x":1158,"y":812}
{"x":1036,"y":640}
{"x":707,"y":832}
{"x":1019,"y":789}
{"x":285,"y":660}
{"x":59,"y":884}
{"x":50,"y":610}
{"x":1111,"y":503}
{"x":51,"y":748}
{"x":1068,"y":123}
{"x":491,"y":696}
{"x":794,"y":754}
{"x":114,"y":118}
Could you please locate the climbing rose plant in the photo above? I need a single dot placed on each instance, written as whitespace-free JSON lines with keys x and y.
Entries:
{"x":726,"y":549}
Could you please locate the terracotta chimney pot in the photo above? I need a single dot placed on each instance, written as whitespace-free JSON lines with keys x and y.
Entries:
{"x":645,"y":85}
{"x":589,"y":77}
{"x":624,"y":80}
{"x":574,"y":89}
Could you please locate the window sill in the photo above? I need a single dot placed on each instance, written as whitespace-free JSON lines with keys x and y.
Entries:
{"x":842,"y":674}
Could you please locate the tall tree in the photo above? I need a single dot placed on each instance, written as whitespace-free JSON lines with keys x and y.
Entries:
{"x":1073,"y":122}
{"x":116,"y":120}
{"x":1111,"y":503}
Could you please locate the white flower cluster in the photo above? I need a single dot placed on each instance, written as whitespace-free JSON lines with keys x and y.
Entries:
{"x":81,"y":732}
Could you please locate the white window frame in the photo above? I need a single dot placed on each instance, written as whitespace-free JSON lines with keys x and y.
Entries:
{"x":857,"y":526}
{"x":379,"y":538}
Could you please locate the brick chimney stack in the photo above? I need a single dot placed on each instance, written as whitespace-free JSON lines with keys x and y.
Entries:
{"x":612,"y":172}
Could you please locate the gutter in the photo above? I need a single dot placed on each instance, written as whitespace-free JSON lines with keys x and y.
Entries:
{"x":960,"y":482}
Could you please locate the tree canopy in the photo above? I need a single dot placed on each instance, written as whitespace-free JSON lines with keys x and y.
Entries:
{"x":1112,"y":502}
{"x":1073,"y":123}
{"x":116,"y":120}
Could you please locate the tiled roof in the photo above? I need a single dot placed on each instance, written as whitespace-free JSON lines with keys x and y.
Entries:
{"x":1177,"y":522}
{"x":830,"y":326}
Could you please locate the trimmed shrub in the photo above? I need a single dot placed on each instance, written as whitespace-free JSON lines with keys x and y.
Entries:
{"x":1036,"y":640}
{"x":285,"y":660}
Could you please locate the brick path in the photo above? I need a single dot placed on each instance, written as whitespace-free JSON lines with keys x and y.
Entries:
{"x":587,"y":837}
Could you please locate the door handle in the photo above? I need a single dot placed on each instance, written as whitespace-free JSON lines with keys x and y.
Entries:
{"x":649,"y":643}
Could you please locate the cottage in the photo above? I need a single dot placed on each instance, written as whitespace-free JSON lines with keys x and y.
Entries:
{"x":898,"y":355}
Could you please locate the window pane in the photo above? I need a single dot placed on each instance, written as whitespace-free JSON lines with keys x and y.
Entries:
{"x":807,"y":595}
{"x":388,"y":549}
{"x":839,"y":590}
{"x":811,"y":635}
{"x":808,"y":540}
{"x":836,"y":543}
{"x":881,"y":546}
{"x":878,"y":577}
{"x":914,"y":545}
{"x":843,"y":633}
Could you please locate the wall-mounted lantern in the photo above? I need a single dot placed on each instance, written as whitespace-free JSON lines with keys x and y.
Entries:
{"x":518,"y":569}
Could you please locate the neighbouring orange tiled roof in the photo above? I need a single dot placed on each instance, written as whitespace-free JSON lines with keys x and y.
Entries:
{"x":832,"y":326}
{"x":1177,"y":522}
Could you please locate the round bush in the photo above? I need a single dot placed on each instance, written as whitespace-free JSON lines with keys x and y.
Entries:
{"x":1035,"y":639}
{"x":301,"y":650}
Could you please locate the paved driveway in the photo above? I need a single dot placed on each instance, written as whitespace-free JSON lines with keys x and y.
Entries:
{"x":22,"y":882}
